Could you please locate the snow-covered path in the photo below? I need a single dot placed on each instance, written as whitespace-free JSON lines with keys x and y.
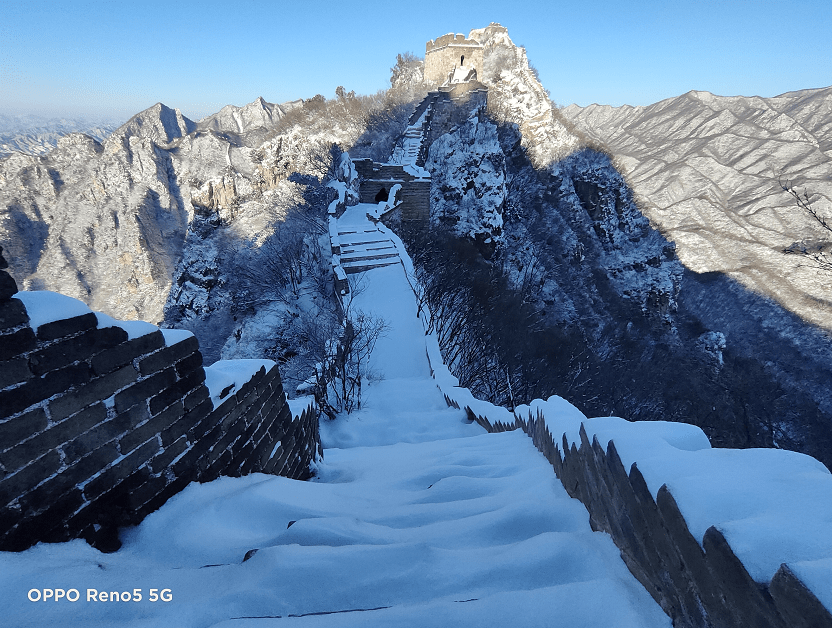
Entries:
{"x":417,"y":518}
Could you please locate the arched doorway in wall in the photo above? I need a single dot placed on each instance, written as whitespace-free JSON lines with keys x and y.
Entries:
{"x":382,"y":195}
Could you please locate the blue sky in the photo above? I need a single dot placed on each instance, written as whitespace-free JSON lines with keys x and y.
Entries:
{"x":113,"y":59}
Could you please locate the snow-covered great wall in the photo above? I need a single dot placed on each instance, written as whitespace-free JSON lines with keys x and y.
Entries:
{"x":101,"y":421}
{"x":718,"y":537}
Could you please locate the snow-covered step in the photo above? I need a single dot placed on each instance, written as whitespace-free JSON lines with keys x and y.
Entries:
{"x":369,"y":251}
{"x":369,"y":258}
{"x":361,"y":267}
{"x":364,"y":236}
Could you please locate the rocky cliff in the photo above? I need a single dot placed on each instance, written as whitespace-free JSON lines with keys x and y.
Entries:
{"x":108,"y":222}
{"x":707,"y":171}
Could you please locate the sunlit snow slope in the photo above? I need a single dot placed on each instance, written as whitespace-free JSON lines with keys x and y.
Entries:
{"x":707,"y":172}
{"x":416,"y":518}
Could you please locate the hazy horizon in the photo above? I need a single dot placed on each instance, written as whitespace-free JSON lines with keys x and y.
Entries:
{"x":108,"y":61}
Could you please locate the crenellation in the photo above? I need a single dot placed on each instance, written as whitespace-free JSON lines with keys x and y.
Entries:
{"x":446,"y":54}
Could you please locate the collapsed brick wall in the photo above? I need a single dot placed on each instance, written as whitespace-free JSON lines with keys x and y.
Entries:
{"x":98,"y":430}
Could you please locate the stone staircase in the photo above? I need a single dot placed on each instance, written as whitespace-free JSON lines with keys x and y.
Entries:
{"x":364,"y":247}
{"x":412,"y":144}
{"x":415,"y":150}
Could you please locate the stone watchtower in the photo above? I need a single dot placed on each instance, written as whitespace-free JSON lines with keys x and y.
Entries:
{"x":452,"y":59}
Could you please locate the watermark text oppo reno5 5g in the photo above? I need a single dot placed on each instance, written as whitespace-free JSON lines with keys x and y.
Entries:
{"x":94,"y":595}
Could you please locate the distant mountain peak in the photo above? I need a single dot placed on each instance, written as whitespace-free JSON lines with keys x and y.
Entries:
{"x":231,"y":118}
{"x":159,"y":123}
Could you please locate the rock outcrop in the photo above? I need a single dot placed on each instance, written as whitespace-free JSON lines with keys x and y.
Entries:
{"x":706,"y":171}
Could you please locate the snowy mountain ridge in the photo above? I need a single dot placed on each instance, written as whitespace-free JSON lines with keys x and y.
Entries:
{"x":37,"y":135}
{"x":706,"y":170}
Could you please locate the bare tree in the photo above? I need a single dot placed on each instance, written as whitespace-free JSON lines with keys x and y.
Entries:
{"x":343,"y":342}
{"x":819,"y":251}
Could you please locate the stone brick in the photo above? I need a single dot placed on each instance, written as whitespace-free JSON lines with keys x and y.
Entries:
{"x":161,"y":461}
{"x":260,"y":432}
{"x":147,"y":491}
{"x":169,"y":355}
{"x":284,"y":453}
{"x":244,"y":390}
{"x":273,"y":409}
{"x":176,"y":391}
{"x":125,"y":353}
{"x":12,"y":314}
{"x":17,"y":343}
{"x":75,"y":348}
{"x":196,"y":397}
{"x":222,"y":464}
{"x":231,"y":434}
{"x":14,"y":371}
{"x":121,"y":470}
{"x":94,"y":438}
{"x":205,"y":419}
{"x":95,"y":390}
{"x":227,"y":405}
{"x":9,"y":517}
{"x":50,"y":525}
{"x":67,"y":327}
{"x":143,"y":390}
{"x":248,"y":405}
{"x":155,"y":425}
{"x":692,"y":565}
{"x":35,"y":390}
{"x":168,"y":491}
{"x":27,"y":478}
{"x":742,"y":595}
{"x":182,"y":427}
{"x":234,"y":414}
{"x":186,"y":466}
{"x":201,"y":446}
{"x":796,"y":603}
{"x":188,"y":365}
{"x":39,"y":499}
{"x":242,"y":455}
{"x":21,"y":427}
{"x":52,"y":438}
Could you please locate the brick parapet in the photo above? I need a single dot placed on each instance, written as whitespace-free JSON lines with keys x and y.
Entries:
{"x":97,"y":430}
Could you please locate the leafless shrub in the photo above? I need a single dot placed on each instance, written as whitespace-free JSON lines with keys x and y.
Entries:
{"x":817,"y":251}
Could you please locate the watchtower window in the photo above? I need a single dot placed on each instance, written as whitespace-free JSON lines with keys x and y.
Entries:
{"x":382,"y":195}
{"x":462,"y":60}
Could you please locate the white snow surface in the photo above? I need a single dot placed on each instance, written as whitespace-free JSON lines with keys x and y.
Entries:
{"x":175,"y":336}
{"x":44,"y":306}
{"x":235,"y":373}
{"x":415,"y":512}
{"x":134,"y":329}
{"x":298,"y":406}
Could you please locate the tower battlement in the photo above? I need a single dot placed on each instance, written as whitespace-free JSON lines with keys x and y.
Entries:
{"x":450,"y":54}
